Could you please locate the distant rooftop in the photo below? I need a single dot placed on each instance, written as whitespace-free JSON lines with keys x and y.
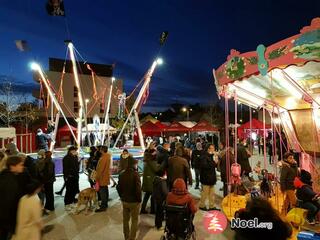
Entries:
{"x":56,"y":65}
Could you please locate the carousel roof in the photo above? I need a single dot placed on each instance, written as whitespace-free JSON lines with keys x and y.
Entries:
{"x":282,"y":72}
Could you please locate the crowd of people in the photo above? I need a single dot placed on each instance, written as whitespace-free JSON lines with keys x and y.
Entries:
{"x":26,"y":184}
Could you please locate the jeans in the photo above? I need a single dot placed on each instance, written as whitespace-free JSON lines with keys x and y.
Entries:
{"x":159,"y":214}
{"x":146,"y":197}
{"x":130,"y":211}
{"x":312,"y":208}
{"x":197,"y":173}
{"x":104,"y":194}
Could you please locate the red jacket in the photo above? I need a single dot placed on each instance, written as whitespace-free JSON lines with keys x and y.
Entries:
{"x":181,"y":196}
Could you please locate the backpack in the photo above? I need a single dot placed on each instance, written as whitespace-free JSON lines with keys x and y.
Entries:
{"x":40,"y":167}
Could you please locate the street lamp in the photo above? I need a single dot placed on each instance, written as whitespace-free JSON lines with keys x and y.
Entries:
{"x":187,"y":110}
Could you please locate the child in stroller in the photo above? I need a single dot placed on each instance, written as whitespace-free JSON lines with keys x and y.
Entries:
{"x":179,"y":212}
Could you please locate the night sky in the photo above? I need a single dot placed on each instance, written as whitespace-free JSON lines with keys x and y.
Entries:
{"x":201,"y":34}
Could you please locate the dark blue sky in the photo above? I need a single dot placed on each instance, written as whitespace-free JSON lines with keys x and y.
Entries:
{"x":201,"y":34}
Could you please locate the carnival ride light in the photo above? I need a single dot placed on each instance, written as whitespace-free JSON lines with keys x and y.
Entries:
{"x":291,"y":103}
{"x":244,"y":96}
{"x":245,"y":84}
{"x":35,"y":66}
{"x":286,"y":84}
{"x":159,"y":61}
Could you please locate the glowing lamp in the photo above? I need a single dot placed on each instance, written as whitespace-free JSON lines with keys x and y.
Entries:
{"x":159,"y":61}
{"x":35,"y":66}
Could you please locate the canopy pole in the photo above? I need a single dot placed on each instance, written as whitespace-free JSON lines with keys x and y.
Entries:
{"x":264,"y":139}
{"x":139,"y":130}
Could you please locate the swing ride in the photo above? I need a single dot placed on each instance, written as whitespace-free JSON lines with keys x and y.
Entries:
{"x":283,"y":81}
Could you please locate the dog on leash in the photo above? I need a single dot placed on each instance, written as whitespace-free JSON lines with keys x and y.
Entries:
{"x":87,"y":197}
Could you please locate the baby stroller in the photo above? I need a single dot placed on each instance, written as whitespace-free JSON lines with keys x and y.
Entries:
{"x":179,"y":224}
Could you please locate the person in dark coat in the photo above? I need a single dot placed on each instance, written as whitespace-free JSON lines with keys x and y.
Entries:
{"x":308,"y":198}
{"x":47,"y":177}
{"x":11,"y":190}
{"x":178,"y":168}
{"x":243,"y":156}
{"x":159,"y":194}
{"x":71,"y":175}
{"x":208,"y":178}
{"x":129,"y":190}
{"x":163,"y":154}
{"x":91,"y":164}
{"x":195,"y":162}
{"x":288,"y":172}
{"x":42,"y":140}
{"x":125,"y":158}
{"x":222,"y":165}
{"x":150,"y":170}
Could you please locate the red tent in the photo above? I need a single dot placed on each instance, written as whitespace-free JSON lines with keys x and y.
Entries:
{"x":177,"y":127}
{"x":150,"y":129}
{"x":65,"y":132}
{"x":204,"y":126}
{"x":161,"y":125}
{"x":256,"y":125}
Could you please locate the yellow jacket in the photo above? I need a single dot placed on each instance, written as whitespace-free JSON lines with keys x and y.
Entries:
{"x":103,"y":170}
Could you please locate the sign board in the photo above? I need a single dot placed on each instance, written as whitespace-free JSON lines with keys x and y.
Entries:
{"x":7,"y":133}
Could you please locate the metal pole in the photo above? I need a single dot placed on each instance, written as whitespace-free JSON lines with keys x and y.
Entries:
{"x":77,"y":82}
{"x":106,"y":119}
{"x":136,"y":103}
{"x":54,"y":135}
{"x":55,"y":101}
{"x":139,"y":130}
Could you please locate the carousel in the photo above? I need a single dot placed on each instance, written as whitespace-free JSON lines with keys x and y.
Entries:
{"x":283,"y":82}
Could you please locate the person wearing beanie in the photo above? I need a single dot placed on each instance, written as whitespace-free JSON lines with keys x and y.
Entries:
{"x":180,"y":196}
{"x":306,"y":196}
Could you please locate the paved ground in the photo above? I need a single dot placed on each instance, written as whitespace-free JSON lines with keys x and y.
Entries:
{"x":108,"y":225}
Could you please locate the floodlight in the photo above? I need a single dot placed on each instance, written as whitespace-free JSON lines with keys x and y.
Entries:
{"x":35,"y":66}
{"x":159,"y":61}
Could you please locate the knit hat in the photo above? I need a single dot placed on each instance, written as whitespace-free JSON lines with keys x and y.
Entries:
{"x":305,"y":177}
{"x":12,"y":148}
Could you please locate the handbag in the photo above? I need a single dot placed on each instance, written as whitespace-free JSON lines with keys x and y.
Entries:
{"x":97,"y":186}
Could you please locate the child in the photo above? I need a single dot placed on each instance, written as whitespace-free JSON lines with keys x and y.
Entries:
{"x":257,"y":168}
{"x":159,"y":194}
{"x":308,"y":199}
{"x":29,"y":221}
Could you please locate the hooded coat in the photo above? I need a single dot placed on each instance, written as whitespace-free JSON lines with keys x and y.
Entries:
{"x":208,"y":170}
{"x":304,"y":192}
{"x":103,"y":170}
{"x":180,"y":196}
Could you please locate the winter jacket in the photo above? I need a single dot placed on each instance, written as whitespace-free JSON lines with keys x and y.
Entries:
{"x":129,"y":186}
{"x":223,"y":164}
{"x":208,"y":170}
{"x":70,"y":166}
{"x":162,"y":155}
{"x":11,"y":190}
{"x":287,"y":175}
{"x":304,"y":191}
{"x":180,"y":196}
{"x":160,"y":190}
{"x":42,"y":141}
{"x":196,"y":158}
{"x":150,"y":170}
{"x":47,"y":174}
{"x":243,"y":159}
{"x":103,"y":170}
{"x":123,"y":162}
{"x":29,"y":218}
{"x":179,"y":168}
